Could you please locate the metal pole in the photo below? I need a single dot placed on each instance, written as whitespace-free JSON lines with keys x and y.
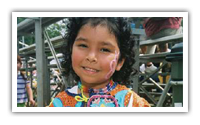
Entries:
{"x":26,"y":65}
{"x":136,"y":66}
{"x":47,"y":83}
{"x":23,"y":41}
{"x":154,"y":72}
{"x":40,"y":63}
{"x":17,"y":45}
{"x":148,"y":95}
{"x":31,"y":76}
{"x":52,"y":50}
{"x":164,"y":94}
{"x":54,"y":54}
{"x":158,"y":85}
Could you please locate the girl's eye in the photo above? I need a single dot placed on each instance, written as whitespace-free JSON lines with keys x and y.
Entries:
{"x":105,"y":50}
{"x":82,"y":45}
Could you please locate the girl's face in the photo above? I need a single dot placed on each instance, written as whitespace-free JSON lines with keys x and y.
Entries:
{"x":95,"y":56}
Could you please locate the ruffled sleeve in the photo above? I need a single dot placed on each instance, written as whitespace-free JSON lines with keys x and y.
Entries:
{"x":63,"y":100}
{"x":137,"y":101}
{"x":58,"y":101}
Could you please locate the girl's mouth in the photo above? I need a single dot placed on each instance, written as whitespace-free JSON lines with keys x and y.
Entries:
{"x":90,"y":70}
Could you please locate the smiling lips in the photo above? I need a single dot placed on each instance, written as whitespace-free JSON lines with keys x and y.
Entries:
{"x":90,"y":70}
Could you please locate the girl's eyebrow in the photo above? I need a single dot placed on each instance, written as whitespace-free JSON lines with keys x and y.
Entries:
{"x":107,"y":44}
{"x":81,"y":39}
{"x":104,"y":43}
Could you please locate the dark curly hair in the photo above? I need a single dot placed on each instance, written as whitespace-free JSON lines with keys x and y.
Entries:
{"x":117,"y":26}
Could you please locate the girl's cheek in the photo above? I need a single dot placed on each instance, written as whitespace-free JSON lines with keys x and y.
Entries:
{"x":111,"y":66}
{"x":76,"y":56}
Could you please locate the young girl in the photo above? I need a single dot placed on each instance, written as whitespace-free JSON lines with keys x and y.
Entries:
{"x":23,"y":87}
{"x":99,"y":55}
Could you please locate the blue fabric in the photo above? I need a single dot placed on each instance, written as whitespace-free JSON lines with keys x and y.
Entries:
{"x":78,"y":104}
{"x":120,"y":96}
{"x":57,"y":102}
{"x":102,"y":103}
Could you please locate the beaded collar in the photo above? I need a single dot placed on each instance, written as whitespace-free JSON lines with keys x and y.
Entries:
{"x":99,"y":92}
{"x":108,"y":88}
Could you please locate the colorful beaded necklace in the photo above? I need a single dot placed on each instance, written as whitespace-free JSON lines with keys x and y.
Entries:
{"x":110,"y":86}
{"x":99,"y":91}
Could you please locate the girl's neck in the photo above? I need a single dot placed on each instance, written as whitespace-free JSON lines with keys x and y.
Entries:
{"x":95,"y":85}
{"x":96,"y":89}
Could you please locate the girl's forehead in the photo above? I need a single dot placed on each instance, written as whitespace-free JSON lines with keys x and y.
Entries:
{"x":99,"y":33}
{"x":89,"y":25}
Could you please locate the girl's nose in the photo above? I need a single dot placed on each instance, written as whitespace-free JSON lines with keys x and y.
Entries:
{"x":91,"y":57}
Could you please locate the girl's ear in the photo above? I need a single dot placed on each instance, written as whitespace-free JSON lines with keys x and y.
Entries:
{"x":120,"y":64}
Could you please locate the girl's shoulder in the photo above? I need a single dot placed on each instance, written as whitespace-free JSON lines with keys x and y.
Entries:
{"x":137,"y":101}
{"x":71,"y":91}
{"x":65,"y":98}
{"x":119,"y":88}
{"x":131,"y":98}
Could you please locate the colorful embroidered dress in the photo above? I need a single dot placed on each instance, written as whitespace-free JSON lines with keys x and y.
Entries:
{"x":114,"y":95}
